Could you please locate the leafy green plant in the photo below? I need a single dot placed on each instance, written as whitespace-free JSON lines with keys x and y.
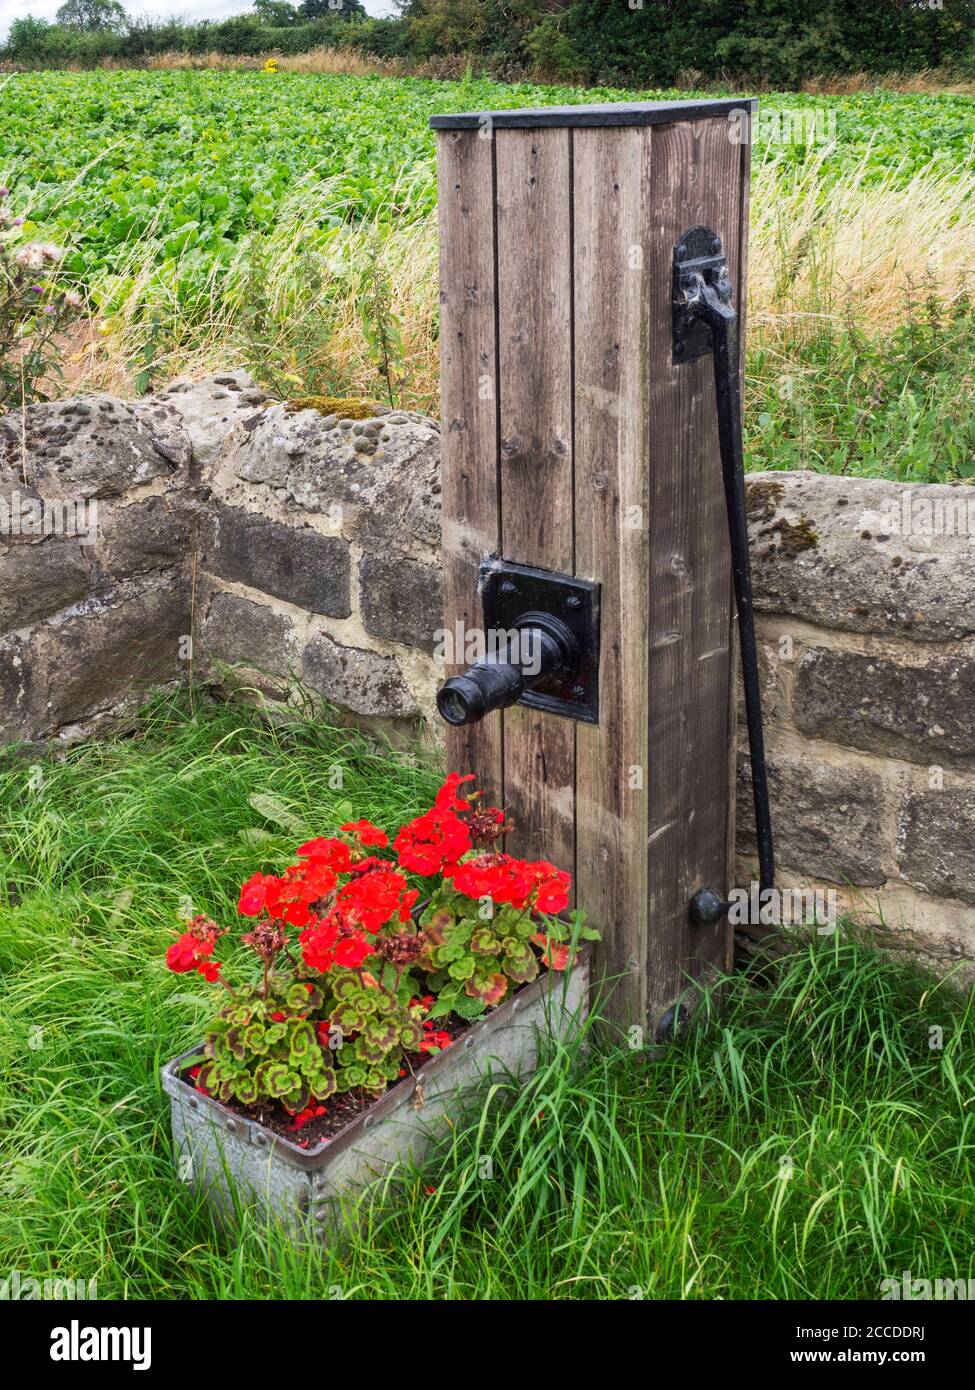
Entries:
{"x":262,"y":1046}
{"x":477,"y":950}
{"x":383,"y":1018}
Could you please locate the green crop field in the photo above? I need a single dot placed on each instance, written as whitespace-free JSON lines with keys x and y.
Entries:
{"x":285,"y":222}
{"x":195,"y":160}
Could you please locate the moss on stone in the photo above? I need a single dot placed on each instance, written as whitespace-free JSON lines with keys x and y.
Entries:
{"x":762,"y":496}
{"x":795,"y":537}
{"x":351,"y":408}
{"x":762,"y":499}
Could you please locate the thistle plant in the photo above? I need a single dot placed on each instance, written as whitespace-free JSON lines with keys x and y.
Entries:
{"x":353,"y":973}
{"x":35,"y":310}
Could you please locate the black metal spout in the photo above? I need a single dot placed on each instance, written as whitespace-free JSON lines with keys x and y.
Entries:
{"x":539,"y":647}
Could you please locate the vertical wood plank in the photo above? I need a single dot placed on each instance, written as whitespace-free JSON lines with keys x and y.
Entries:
{"x":695,"y":178}
{"x":469,"y":393}
{"x":612,"y":293}
{"x":533,"y":183}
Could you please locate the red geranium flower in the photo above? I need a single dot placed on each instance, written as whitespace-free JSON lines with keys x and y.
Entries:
{"x":335,"y":853}
{"x":551,"y":886}
{"x":447,"y":799}
{"x":194,"y":948}
{"x":431,"y":843}
{"x":253,"y":894}
{"x":366,"y":833}
{"x":352,"y":950}
{"x":318,"y":944}
{"x":317,"y":879}
{"x":493,"y":876}
{"x":374,"y":899}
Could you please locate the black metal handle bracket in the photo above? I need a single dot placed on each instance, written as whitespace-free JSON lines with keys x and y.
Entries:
{"x":704,"y":321}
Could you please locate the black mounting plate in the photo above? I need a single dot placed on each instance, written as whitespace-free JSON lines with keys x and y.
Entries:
{"x":698,"y":251}
{"x":509,"y":591}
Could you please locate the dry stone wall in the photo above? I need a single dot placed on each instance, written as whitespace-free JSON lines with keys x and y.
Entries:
{"x":321,"y":563}
{"x":95,"y":531}
{"x":865,"y":593}
{"x":299,"y":546}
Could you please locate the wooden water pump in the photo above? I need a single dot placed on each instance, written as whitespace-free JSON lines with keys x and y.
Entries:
{"x":590,"y":259}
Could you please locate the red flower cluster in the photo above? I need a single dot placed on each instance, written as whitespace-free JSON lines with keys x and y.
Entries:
{"x":447,"y":798}
{"x":325,"y":945}
{"x":363,"y":904}
{"x":333,"y":915}
{"x":194,"y":948}
{"x":366,"y":833}
{"x":310,"y":1112}
{"x":345,"y":905}
{"x":434,"y":842}
{"x":339,"y":895}
{"x":328,"y":852}
{"x":287,"y":897}
{"x":536,"y":884}
{"x":375,"y":899}
{"x":434,"y":1039}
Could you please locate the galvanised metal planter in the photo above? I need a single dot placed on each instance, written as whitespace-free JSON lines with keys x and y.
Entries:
{"x":227,"y":1155}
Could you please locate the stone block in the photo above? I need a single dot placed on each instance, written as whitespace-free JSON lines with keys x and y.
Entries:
{"x":357,"y":680}
{"x":827,"y":819}
{"x":936,"y":842}
{"x":239,"y":632}
{"x":852,"y":554}
{"x":293,"y":563}
{"x":922,"y":713}
{"x":401,"y":599}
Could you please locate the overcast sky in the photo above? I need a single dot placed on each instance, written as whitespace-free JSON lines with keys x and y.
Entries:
{"x":187,"y":9}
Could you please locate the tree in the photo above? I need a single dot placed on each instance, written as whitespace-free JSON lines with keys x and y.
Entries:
{"x":332,"y":9}
{"x":277,"y":14}
{"x":92,"y":16}
{"x":26,"y":37}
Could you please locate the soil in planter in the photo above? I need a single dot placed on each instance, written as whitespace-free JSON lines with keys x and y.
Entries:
{"x":311,"y":1129}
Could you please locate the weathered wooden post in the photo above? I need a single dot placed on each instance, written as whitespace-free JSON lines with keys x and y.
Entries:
{"x":577,"y":442}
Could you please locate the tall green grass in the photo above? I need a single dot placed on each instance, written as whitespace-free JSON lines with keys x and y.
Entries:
{"x":806,"y":1141}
